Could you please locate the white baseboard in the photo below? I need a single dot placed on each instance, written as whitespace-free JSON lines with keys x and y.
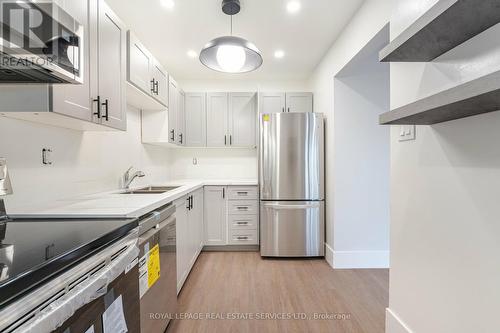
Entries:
{"x":360,"y":259}
{"x":329,"y":254}
{"x":394,"y":324}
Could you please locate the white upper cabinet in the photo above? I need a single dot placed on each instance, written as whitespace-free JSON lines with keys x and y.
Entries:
{"x":159,"y":83}
{"x":181,"y":118}
{"x":112,"y":68}
{"x":173,"y":97}
{"x":242,"y":119}
{"x":148,"y":81}
{"x":299,"y":102}
{"x":196,"y":119}
{"x":272,"y":102}
{"x":217,"y":119}
{"x":75,"y":100}
{"x":285,"y":102}
{"x":139,"y":63}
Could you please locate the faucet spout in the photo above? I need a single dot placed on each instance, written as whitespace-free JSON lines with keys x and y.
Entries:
{"x":128,"y":178}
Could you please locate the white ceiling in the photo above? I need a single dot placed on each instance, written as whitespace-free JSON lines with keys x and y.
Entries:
{"x":305,"y":36}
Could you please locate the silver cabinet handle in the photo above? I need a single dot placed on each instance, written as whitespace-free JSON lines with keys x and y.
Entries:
{"x":242,"y":193}
{"x":242,"y":208}
{"x":242,"y":237}
{"x":242,"y":222}
{"x":283,"y":206}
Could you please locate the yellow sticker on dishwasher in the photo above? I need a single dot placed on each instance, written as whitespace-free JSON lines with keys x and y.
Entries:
{"x":265,"y":117}
{"x":153,"y":265}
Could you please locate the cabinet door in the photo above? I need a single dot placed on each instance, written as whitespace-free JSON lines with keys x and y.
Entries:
{"x":196,"y":222}
{"x":196,"y":120}
{"x":242,"y":120}
{"x":160,"y":77}
{"x":181,"y":118}
{"x":215,"y":218}
{"x":112,"y":68}
{"x":217,"y":120}
{"x":173,"y":94}
{"x":271,"y":102}
{"x":139,"y":64}
{"x":299,"y":102}
{"x":75,"y":100}
{"x":182,"y":235}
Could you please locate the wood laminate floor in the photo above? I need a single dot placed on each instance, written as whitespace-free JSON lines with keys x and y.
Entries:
{"x":228,"y":285}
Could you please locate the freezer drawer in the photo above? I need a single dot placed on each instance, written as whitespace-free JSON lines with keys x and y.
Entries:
{"x":292,"y":228}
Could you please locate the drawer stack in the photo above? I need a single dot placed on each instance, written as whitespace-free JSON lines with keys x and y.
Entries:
{"x":243,"y":212}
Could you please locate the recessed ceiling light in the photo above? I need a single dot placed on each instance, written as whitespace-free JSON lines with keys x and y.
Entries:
{"x":192,"y":54}
{"x":169,"y":4}
{"x":279,"y":54}
{"x":293,"y":6}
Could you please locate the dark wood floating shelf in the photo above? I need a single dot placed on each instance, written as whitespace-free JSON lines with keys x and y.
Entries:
{"x":446,"y":25}
{"x":475,"y":97}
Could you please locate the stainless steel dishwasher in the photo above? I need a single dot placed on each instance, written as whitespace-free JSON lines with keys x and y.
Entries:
{"x":157,"y":269}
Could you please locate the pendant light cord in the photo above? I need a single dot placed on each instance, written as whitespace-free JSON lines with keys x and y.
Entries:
{"x":231,"y":25}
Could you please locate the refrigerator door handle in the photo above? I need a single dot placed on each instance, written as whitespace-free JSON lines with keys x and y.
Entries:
{"x":302,"y":206}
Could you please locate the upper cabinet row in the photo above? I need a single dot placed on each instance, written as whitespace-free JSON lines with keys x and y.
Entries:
{"x":97,"y":104}
{"x":147,"y":86}
{"x":285,"y":102}
{"x":204,"y":120}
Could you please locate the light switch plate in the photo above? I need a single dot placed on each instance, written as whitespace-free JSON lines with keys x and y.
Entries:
{"x":407,"y":132}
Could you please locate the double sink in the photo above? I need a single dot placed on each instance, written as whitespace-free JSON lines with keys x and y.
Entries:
{"x":151,"y":190}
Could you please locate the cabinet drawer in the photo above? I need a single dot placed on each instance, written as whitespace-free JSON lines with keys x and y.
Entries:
{"x":240,"y":237}
{"x":243,"y":207}
{"x":242,"y":192}
{"x":243,"y":222}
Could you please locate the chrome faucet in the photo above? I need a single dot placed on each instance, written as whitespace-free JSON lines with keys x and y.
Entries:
{"x":128,"y":178}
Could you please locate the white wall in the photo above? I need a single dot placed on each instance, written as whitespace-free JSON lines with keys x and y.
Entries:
{"x":213,"y":163}
{"x":366,"y":23}
{"x":445,"y":230}
{"x":361,"y":161}
{"x":84,"y":162}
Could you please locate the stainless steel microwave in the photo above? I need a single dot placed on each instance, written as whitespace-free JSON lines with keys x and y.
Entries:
{"x":39,"y":43}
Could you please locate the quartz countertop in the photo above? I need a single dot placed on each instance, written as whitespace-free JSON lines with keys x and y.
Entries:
{"x":113,"y":204}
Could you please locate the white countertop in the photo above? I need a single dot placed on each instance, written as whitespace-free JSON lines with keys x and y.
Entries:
{"x":117,"y":205}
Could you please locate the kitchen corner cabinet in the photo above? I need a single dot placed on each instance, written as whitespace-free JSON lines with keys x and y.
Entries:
{"x":189,"y":233}
{"x":96,"y":105}
{"x":196,"y":119}
{"x":231,"y":120}
{"x":147,"y":87}
{"x":285,"y":102}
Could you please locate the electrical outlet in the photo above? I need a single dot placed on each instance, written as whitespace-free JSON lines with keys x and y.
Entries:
{"x":46,"y":156}
{"x":407,"y":132}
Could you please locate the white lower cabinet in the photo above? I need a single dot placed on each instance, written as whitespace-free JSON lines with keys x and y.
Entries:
{"x":231,"y":215}
{"x":189,"y":233}
{"x":215,"y":215}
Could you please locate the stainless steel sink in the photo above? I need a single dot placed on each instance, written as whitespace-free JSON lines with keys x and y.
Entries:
{"x":151,"y":190}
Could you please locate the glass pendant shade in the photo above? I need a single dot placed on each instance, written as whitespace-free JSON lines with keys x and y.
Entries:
{"x":230,"y":54}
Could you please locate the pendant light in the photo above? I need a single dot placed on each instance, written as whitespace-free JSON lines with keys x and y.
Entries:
{"x":231,"y":54}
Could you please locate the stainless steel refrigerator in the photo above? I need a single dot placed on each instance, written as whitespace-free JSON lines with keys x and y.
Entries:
{"x":291,"y":181}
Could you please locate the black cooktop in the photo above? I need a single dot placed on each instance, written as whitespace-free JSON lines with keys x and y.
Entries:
{"x":35,"y":250}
